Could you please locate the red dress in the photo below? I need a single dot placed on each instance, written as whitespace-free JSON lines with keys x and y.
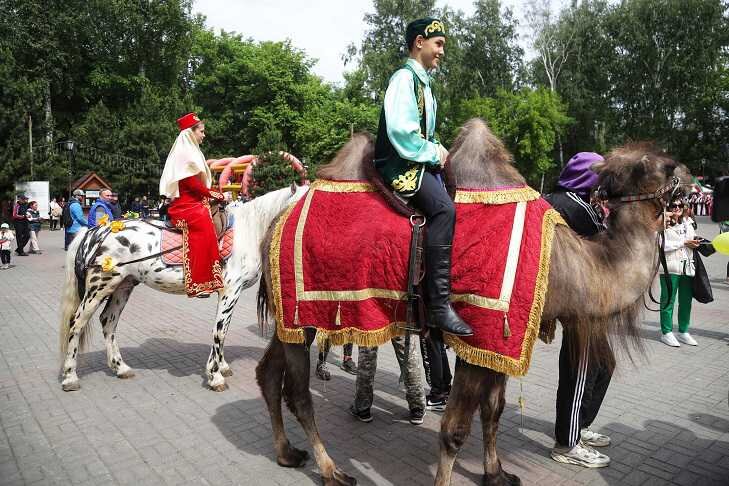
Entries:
{"x":200,"y":255}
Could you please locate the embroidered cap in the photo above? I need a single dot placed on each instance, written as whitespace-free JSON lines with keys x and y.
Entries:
{"x":427,"y":27}
{"x":187,"y":121}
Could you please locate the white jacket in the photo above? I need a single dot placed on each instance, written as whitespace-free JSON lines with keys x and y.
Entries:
{"x":8,"y":236}
{"x":679,"y":257}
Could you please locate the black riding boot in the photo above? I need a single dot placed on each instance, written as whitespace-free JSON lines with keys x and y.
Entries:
{"x":438,"y":291}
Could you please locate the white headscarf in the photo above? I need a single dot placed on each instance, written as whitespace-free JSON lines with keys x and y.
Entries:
{"x":185,"y":160}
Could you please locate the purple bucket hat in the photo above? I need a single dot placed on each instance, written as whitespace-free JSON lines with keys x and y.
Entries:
{"x":577,"y":175}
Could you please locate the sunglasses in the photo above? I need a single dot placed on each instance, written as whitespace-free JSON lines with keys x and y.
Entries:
{"x":676,"y":206}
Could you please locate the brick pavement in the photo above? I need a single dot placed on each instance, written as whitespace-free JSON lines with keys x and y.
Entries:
{"x":668,"y":416}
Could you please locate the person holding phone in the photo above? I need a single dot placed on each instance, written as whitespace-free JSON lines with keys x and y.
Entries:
{"x":680,"y":241}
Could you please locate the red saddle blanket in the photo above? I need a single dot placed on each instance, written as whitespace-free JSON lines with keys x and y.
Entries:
{"x":172,"y":240}
{"x":339,"y":264}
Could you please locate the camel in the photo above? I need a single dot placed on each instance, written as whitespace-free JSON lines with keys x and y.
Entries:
{"x":610,"y":272}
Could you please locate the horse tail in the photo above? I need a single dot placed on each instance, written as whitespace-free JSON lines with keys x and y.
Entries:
{"x":262,"y":306}
{"x":70,"y":298}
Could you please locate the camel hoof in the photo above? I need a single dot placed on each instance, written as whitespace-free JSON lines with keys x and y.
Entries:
{"x":227,"y":372}
{"x":126,"y":375}
{"x":339,"y":479}
{"x":73,"y":386}
{"x":293,"y":457}
{"x":501,"y":478}
{"x":220,"y":388}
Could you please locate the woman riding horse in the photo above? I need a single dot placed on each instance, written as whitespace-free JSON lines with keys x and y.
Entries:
{"x":186,"y":180}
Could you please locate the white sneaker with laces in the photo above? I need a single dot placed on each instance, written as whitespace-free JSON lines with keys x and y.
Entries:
{"x":685,"y":337}
{"x":670,"y":340}
{"x":594,"y":439}
{"x":580,"y":455}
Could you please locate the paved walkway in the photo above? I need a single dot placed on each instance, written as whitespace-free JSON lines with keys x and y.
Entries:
{"x":668,"y":416}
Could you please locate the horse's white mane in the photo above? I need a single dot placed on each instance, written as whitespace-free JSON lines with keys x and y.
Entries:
{"x":253,"y":218}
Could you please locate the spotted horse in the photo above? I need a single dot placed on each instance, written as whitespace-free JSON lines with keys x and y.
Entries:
{"x":104,"y":264}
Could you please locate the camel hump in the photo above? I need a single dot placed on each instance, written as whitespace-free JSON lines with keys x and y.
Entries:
{"x":355,"y":162}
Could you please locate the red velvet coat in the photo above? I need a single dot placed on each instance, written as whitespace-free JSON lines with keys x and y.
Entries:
{"x":201,"y":258}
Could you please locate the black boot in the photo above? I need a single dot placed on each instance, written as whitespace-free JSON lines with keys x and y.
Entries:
{"x":438,"y":291}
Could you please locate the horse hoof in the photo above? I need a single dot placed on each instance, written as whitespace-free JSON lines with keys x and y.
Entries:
{"x":293,"y":457}
{"x":219,"y":388}
{"x":339,"y":479}
{"x":73,"y":386}
{"x":227,"y":372}
{"x":501,"y":478}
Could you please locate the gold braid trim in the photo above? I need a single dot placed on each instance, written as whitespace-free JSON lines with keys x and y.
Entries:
{"x":286,"y":335}
{"x":521,"y":194}
{"x":327,"y":185}
{"x":506,"y":364}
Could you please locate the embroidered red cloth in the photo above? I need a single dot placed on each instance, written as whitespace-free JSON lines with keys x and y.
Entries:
{"x":172,"y":239}
{"x":339,"y":264}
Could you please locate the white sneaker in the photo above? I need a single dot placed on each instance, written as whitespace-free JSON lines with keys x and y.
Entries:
{"x":685,"y":337}
{"x":670,"y":340}
{"x":593,"y":439}
{"x":580,"y":455}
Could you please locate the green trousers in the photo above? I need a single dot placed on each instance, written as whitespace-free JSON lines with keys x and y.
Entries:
{"x":682,"y":285}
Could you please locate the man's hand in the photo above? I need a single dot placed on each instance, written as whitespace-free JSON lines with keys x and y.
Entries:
{"x":442,"y":154}
{"x":692,"y":243}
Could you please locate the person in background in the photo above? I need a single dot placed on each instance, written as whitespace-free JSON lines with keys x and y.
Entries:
{"x":20,"y":222}
{"x":34,"y":224}
{"x":145,"y":207}
{"x":77,"y":217}
{"x":115,"y":208}
{"x":348,"y":365}
{"x":583,"y":382}
{"x":101,"y":207}
{"x":6,"y":239}
{"x":62,"y":203}
{"x":164,"y":205}
{"x":54,"y":214}
{"x":679,"y":244}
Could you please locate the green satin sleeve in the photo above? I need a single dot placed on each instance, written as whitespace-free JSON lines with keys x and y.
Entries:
{"x":403,"y":121}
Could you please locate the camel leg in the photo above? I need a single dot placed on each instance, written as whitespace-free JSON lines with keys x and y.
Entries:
{"x":269,"y":375}
{"x":109,"y":319}
{"x":95,"y":294}
{"x":492,"y":405}
{"x":468,"y":386}
{"x":298,"y":398}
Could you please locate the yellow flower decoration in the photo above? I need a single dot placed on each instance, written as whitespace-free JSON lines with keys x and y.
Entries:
{"x":103,"y":221}
{"x":117,"y":226}
{"x":107,"y":263}
{"x":407,"y":182}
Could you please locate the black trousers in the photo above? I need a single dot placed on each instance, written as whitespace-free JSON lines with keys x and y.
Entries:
{"x":5,"y":257}
{"x":440,"y":212}
{"x":22,"y":235}
{"x":440,"y":371}
{"x":582,"y":387}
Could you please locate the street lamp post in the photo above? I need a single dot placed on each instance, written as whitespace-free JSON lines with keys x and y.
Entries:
{"x":69,"y":145}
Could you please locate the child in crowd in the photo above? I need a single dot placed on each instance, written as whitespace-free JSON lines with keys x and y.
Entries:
{"x":6,"y":239}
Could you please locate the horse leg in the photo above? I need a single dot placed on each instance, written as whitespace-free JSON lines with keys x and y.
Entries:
{"x":492,"y":404}
{"x":456,"y":424}
{"x":298,"y":398}
{"x":269,"y":375}
{"x":216,"y":361}
{"x":95,"y":294}
{"x":109,"y":319}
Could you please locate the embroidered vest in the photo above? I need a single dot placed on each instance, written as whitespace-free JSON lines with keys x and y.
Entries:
{"x":403,"y":175}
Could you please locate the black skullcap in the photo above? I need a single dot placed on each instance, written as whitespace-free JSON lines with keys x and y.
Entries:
{"x":427,"y":27}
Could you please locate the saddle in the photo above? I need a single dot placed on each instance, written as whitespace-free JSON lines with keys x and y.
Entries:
{"x":171,"y":239}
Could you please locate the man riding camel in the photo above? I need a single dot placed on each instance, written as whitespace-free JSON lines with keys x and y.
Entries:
{"x":410,"y":159}
{"x":186,"y":179}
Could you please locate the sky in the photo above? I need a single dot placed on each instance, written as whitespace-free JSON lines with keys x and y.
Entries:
{"x":322,"y":28}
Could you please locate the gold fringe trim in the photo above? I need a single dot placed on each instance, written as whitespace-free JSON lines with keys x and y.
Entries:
{"x":327,"y":185}
{"x":506,"y":196}
{"x":360,"y":338}
{"x":505,"y":364}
